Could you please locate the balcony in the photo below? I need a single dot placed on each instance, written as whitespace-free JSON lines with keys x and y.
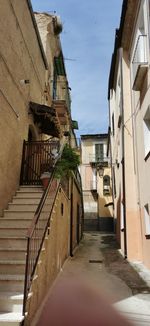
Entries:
{"x":61,"y":111}
{"x":97,"y":160}
{"x":46,"y":119}
{"x":140,"y":62}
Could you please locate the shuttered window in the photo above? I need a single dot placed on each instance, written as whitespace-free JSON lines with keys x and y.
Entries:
{"x":99,"y":152}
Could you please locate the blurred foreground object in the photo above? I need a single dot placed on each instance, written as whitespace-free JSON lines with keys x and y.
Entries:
{"x":75,"y":303}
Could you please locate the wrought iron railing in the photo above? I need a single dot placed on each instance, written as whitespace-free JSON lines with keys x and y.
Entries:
{"x":38,"y":157}
{"x":38,"y":229}
{"x":98,"y":159}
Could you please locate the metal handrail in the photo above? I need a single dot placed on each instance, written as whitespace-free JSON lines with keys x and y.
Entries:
{"x":38,"y":229}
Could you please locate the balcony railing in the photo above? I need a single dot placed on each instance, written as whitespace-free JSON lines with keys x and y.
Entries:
{"x":38,"y":157}
{"x":103,"y":160}
{"x":140,"y":61}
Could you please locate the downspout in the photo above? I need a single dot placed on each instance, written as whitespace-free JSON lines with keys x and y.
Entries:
{"x":71,"y":217}
{"x":123,"y":154}
{"x":112,"y":174}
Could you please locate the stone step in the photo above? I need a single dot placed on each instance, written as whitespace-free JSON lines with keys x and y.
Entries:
{"x":9,"y":283}
{"x":18,"y":223}
{"x":11,"y":301}
{"x":13,"y":267}
{"x":24,"y":208}
{"x":13,"y":242}
{"x":26,"y":201}
{"x":28,"y":207}
{"x":30,"y":189}
{"x":11,"y":319}
{"x":23,"y":215}
{"x":17,"y":214}
{"x":12,"y":253}
{"x":18,"y":232}
{"x":21,"y":194}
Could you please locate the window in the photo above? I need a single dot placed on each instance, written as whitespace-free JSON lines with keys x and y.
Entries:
{"x":140,"y":51}
{"x":146,"y":127}
{"x":113,"y":125}
{"x":99,"y":152}
{"x":147,"y":219}
{"x":114,"y":182}
{"x":106,"y":185}
{"x":106,"y":180}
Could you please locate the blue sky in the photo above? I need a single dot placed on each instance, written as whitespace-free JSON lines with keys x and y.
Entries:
{"x":88,"y":41}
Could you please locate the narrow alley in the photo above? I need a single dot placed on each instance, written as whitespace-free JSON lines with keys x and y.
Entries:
{"x":98,"y":263}
{"x":75,"y":163}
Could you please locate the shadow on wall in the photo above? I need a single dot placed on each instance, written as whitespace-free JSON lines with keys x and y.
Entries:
{"x":103,"y":210}
{"x":105,"y":213}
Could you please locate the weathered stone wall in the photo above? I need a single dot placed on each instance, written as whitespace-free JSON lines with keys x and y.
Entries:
{"x":20,"y":59}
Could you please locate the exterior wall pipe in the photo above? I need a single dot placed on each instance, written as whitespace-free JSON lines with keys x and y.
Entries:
{"x":71,"y":218}
{"x":123,"y":154}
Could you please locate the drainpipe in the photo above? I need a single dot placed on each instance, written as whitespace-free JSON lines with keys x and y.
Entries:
{"x":123,"y":154}
{"x":71,"y":217}
{"x":109,"y":149}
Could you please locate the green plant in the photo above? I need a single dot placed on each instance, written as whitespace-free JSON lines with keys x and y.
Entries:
{"x":68,"y":162}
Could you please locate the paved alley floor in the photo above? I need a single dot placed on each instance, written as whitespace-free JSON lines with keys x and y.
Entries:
{"x":98,"y":260}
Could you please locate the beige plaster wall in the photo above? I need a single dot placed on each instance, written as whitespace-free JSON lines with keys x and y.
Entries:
{"x":87,"y":151}
{"x":87,"y":176}
{"x":142,"y":166}
{"x":132,"y":210}
{"x":20,"y":58}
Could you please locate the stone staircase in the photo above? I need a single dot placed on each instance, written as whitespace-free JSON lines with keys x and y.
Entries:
{"x":13,"y":227}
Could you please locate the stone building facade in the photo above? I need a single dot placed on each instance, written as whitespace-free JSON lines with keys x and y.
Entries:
{"x":96,"y":180}
{"x":129,"y":122}
{"x":35,"y":109}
